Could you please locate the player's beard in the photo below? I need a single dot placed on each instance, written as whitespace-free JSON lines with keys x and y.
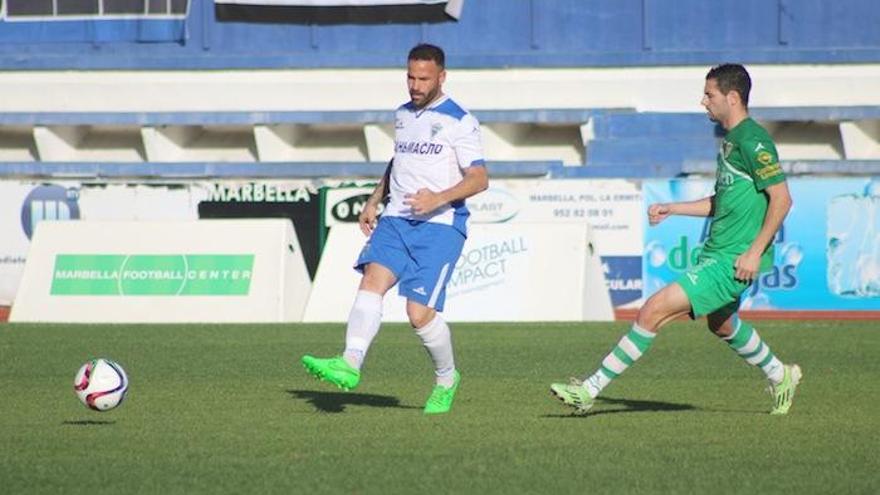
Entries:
{"x":429,"y":97}
{"x":713,"y":117}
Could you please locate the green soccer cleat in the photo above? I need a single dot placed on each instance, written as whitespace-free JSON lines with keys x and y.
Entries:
{"x":334,"y":370}
{"x":784,"y":392}
{"x":441,"y":397}
{"x":573,"y":394}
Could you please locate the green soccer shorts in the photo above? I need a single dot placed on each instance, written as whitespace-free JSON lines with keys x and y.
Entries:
{"x":710,"y":285}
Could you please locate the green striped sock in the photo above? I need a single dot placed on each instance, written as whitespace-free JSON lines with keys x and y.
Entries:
{"x":746,"y":342}
{"x":627,"y":351}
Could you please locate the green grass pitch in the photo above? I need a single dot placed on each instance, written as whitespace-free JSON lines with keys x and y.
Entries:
{"x":229,"y":409}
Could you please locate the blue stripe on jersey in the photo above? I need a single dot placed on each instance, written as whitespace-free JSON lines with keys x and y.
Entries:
{"x":450,"y":108}
{"x":481,"y":163}
{"x":408,"y":106}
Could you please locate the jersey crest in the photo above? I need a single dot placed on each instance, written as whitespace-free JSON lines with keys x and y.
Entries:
{"x":726,"y":149}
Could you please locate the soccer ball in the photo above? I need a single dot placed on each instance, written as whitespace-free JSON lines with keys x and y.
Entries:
{"x":101,"y":384}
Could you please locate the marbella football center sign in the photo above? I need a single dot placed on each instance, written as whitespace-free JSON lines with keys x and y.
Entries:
{"x":152,"y":274}
{"x":164,"y":272}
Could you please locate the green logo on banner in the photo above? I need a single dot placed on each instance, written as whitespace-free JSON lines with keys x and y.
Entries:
{"x":152,"y":275}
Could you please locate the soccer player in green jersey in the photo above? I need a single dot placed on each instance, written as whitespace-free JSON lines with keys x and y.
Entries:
{"x":750,"y":202}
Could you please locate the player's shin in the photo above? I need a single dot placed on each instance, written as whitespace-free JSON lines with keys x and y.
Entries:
{"x":627,"y":351}
{"x":437,"y":339}
{"x":363,"y":325}
{"x":746,"y":342}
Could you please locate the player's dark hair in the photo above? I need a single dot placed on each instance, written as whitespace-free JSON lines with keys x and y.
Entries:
{"x":424,"y":51}
{"x":732,"y":77}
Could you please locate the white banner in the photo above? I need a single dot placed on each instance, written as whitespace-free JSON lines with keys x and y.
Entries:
{"x":22,"y":206}
{"x":453,"y":7}
{"x":328,"y":3}
{"x":220,"y":271}
{"x":613,"y":208}
{"x":13,"y":240}
{"x":25,"y":204}
{"x":508,"y":272}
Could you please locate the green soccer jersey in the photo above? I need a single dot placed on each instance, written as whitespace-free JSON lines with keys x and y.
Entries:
{"x":747,"y":164}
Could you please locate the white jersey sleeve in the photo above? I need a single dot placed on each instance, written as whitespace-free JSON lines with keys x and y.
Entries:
{"x":468,"y":143}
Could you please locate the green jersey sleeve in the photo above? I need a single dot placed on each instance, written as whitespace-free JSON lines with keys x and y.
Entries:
{"x":762,"y":162}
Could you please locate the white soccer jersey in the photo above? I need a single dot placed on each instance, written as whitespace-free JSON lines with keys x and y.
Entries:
{"x":432,"y":147}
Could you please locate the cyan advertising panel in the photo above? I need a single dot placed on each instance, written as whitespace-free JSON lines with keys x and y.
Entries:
{"x":827,"y":253}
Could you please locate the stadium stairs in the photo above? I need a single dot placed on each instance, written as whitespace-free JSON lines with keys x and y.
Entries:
{"x":558,"y":143}
{"x":811,"y":140}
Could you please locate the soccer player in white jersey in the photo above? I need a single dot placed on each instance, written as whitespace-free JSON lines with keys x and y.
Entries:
{"x":438,"y":162}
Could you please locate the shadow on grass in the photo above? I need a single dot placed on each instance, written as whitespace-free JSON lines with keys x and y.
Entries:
{"x":758,"y":412}
{"x":88,"y":422}
{"x":335,"y":402}
{"x":627,"y":406}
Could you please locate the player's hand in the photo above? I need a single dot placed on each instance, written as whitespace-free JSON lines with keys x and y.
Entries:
{"x":424,"y":201}
{"x":658,"y":212}
{"x":747,"y":266}
{"x":367,"y":218}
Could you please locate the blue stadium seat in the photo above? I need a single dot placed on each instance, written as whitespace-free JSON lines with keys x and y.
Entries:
{"x":643,"y":124}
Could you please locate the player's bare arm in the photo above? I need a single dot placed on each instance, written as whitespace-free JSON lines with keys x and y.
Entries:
{"x":658,"y":212}
{"x":424,"y":201}
{"x":367,"y":218}
{"x":748,"y":264}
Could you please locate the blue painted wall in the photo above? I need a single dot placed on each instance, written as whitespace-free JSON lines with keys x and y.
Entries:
{"x":491,"y":33}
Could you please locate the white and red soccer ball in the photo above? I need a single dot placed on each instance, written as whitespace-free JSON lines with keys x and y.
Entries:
{"x":101,"y":384}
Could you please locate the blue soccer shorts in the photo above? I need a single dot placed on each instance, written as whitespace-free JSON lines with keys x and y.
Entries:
{"x":422,"y":255}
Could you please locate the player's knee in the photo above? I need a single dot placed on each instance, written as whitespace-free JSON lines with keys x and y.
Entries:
{"x":649,"y":314}
{"x":722,"y":328}
{"x":372,"y":285}
{"x":419,"y":316}
{"x":376,"y":280}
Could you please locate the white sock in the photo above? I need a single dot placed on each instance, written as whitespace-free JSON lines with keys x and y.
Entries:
{"x":363,"y":325}
{"x":595,"y":383}
{"x":437,"y":340}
